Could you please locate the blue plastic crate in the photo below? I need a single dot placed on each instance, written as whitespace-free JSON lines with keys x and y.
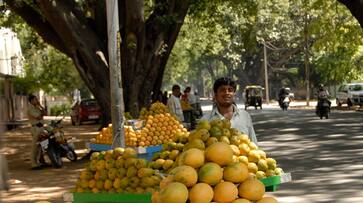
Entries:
{"x":99,"y":147}
{"x":147,"y":152}
{"x":142,"y":152}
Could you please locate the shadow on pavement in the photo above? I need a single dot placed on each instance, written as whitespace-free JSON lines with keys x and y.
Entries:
{"x":324,"y":156}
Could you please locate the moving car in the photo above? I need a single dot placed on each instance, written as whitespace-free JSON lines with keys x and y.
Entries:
{"x":86,"y":110}
{"x":350,"y":94}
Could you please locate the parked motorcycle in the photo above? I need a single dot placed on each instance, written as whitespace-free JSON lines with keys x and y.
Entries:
{"x":284,"y":104}
{"x":323,"y":109}
{"x":55,"y":145}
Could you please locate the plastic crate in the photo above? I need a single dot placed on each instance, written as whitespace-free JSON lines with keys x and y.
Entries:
{"x":272,"y":183}
{"x":106,"y":198}
{"x":142,"y":152}
{"x":147,"y":152}
{"x":98,"y":147}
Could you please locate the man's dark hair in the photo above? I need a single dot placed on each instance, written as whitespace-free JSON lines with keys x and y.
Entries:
{"x":31,"y":97}
{"x":224,"y":81}
{"x":175,"y":87}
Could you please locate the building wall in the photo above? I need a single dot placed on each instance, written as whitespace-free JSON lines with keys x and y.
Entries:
{"x":10,"y":53}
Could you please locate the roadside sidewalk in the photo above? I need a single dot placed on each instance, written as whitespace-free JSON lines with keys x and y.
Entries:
{"x":49,"y":184}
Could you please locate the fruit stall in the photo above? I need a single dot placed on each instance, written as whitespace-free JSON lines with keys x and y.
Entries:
{"x":146,"y":134}
{"x":213,"y":163}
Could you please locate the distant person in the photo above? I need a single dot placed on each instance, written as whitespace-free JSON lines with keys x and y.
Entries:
{"x":164,"y":98}
{"x":156,"y":96}
{"x":190,"y":112}
{"x":174,"y":103}
{"x":185,"y":96}
{"x":284,"y":92}
{"x":192,"y":99}
{"x":225,"y":108}
{"x":198,"y":105}
{"x":35,"y":114}
{"x":323,"y":95}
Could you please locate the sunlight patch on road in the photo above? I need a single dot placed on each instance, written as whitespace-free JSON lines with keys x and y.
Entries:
{"x":289,"y":129}
{"x":348,"y":124}
{"x":9,"y":150}
{"x":343,"y":181}
{"x":336,"y":135}
{"x":15,"y":181}
{"x":44,"y":189}
{"x":293,"y":199}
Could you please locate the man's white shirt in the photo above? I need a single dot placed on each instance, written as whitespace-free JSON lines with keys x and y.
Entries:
{"x":175,"y":107}
{"x":241,"y":120}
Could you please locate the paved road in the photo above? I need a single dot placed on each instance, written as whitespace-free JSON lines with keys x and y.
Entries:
{"x":324,"y":156}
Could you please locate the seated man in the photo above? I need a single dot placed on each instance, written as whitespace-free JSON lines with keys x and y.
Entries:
{"x":225,"y":108}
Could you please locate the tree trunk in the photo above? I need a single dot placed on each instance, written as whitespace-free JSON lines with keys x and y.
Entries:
{"x":62,"y":25}
{"x":145,"y":46}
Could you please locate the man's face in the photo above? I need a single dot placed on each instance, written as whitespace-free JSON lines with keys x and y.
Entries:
{"x":176,"y":92}
{"x":225,"y":95}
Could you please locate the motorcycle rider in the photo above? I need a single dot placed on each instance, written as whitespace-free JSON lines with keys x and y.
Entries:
{"x":323,"y":95}
{"x":284,"y":92}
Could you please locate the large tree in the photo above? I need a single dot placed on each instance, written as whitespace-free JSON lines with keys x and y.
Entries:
{"x":78,"y":29}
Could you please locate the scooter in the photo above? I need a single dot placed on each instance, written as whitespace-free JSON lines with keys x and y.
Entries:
{"x":55,"y":145}
{"x":323,"y":109}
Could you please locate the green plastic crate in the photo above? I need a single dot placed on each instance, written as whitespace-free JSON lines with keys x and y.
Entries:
{"x":111,"y":198}
{"x":271,"y":183}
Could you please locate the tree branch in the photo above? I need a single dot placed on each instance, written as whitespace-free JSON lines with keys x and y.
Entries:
{"x":37,"y":22}
{"x":163,"y":26}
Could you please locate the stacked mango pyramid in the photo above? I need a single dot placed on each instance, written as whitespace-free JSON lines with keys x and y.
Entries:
{"x":117,"y":171}
{"x":160,"y":127}
{"x":215,"y":163}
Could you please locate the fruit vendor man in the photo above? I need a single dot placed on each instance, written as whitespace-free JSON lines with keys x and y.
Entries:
{"x":35,"y":114}
{"x":174,"y":103}
{"x":225,"y":108}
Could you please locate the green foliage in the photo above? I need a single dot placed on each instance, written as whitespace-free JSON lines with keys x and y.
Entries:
{"x":44,"y":67}
{"x":57,"y":110}
{"x":231,"y":33}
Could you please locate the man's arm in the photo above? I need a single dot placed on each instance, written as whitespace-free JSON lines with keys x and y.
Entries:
{"x":34,"y":114}
{"x":171,"y":105}
{"x":251,"y":131}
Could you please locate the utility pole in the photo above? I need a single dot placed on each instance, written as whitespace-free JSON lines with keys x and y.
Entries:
{"x":117,"y":102}
{"x":306,"y":53}
{"x":266,"y":73}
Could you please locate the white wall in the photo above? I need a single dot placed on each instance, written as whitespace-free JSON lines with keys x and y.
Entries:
{"x":10,"y":53}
